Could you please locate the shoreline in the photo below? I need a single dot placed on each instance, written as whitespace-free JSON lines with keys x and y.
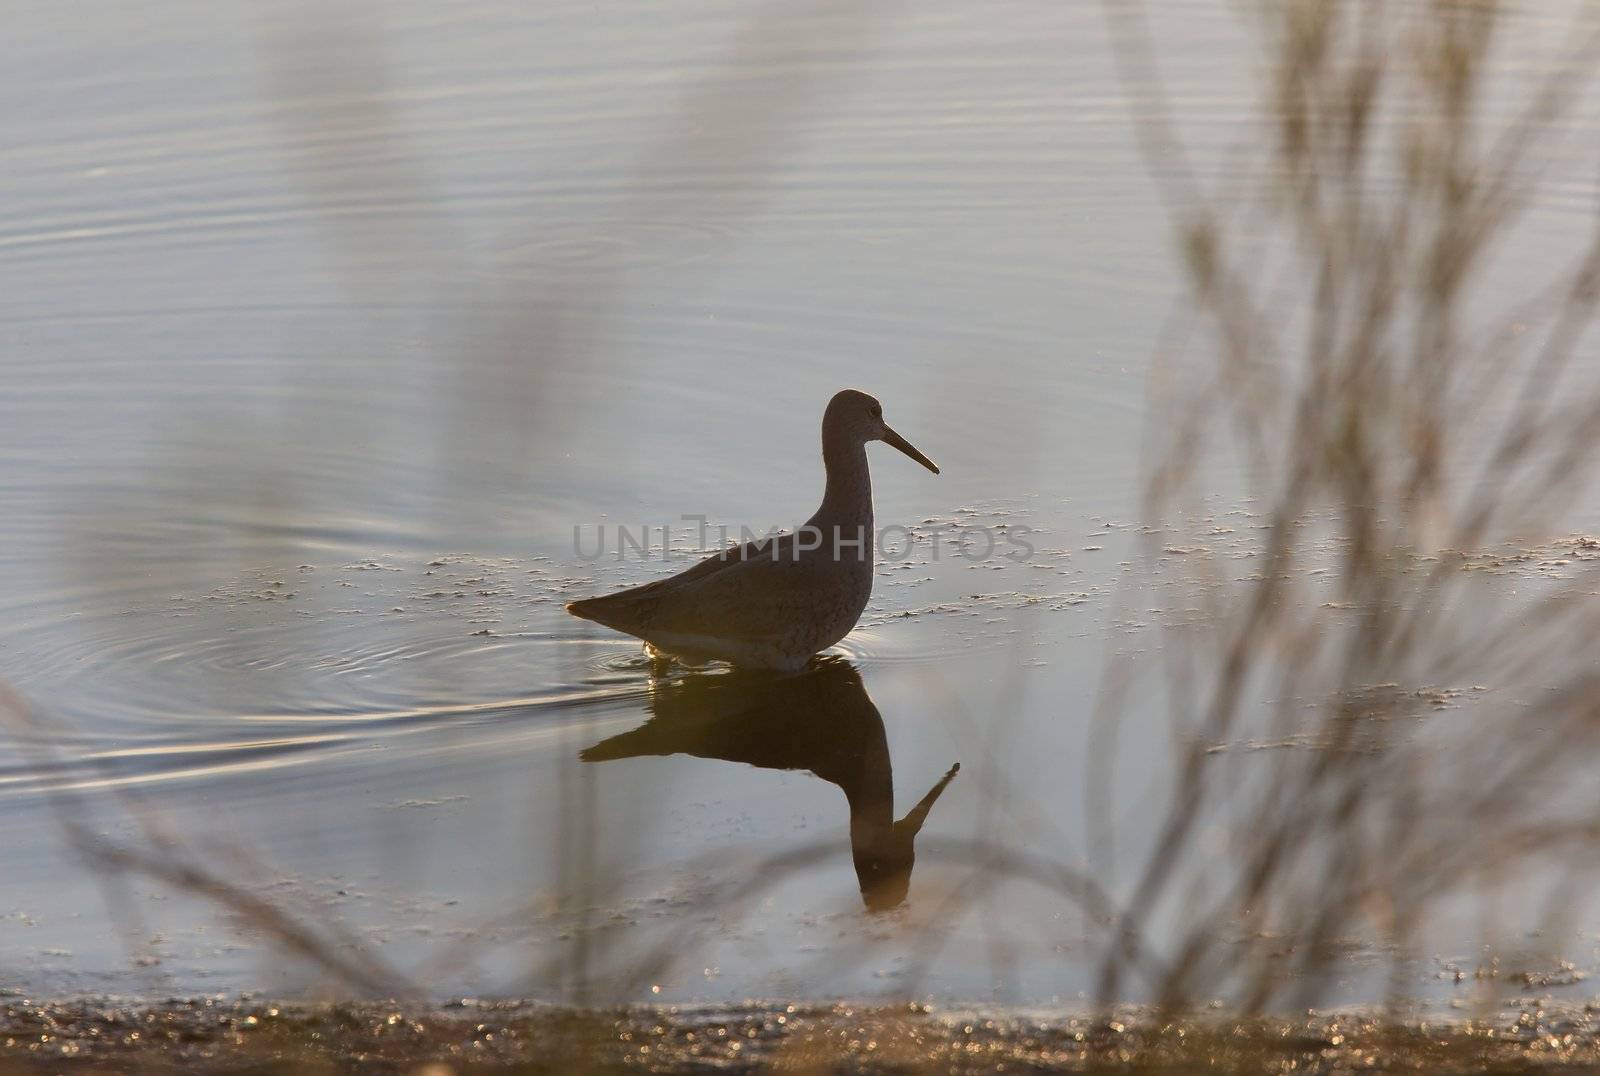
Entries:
{"x":231,"y":1035}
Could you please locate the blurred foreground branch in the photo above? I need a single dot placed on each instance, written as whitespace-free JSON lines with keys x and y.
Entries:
{"x":1405,"y":405}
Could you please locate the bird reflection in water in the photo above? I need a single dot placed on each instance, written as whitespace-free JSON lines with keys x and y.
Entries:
{"x":820,"y":720}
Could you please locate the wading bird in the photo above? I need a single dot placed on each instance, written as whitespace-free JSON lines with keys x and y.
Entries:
{"x":774,"y":602}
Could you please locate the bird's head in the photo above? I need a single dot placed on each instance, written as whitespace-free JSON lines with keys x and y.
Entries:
{"x":853,"y":417}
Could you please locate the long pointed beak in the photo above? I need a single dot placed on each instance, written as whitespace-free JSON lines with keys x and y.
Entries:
{"x":892,"y":438}
{"x":919,"y":814}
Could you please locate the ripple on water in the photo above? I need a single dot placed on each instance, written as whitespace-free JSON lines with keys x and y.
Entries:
{"x":166,"y":677}
{"x":278,"y":668}
{"x":872,"y":646}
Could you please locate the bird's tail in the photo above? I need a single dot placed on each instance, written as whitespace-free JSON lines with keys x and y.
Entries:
{"x":612,"y":610}
{"x":584,"y":607}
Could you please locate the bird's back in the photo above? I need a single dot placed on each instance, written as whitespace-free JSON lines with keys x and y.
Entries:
{"x":764,"y":603}
{"x":635,"y":609}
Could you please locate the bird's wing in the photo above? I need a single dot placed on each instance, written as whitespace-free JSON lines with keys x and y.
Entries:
{"x":639,"y":600}
{"x":747,"y":600}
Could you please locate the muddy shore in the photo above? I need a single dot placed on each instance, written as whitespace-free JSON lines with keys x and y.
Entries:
{"x":215,"y":1035}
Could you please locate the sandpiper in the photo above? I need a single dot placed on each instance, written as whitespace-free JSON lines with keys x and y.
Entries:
{"x":774,"y":602}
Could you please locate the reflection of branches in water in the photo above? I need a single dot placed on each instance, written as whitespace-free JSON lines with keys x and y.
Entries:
{"x":1392,"y":188}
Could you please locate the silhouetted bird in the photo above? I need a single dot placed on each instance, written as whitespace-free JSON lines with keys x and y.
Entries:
{"x":821,"y":720}
{"x":772,"y":603}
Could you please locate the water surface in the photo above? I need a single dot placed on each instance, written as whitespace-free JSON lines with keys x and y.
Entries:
{"x":324,"y":327}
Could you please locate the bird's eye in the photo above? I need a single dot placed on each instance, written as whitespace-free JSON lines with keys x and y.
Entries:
{"x":876,"y":412}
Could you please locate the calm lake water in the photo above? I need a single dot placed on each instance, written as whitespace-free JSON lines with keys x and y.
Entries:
{"x":325,"y":325}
